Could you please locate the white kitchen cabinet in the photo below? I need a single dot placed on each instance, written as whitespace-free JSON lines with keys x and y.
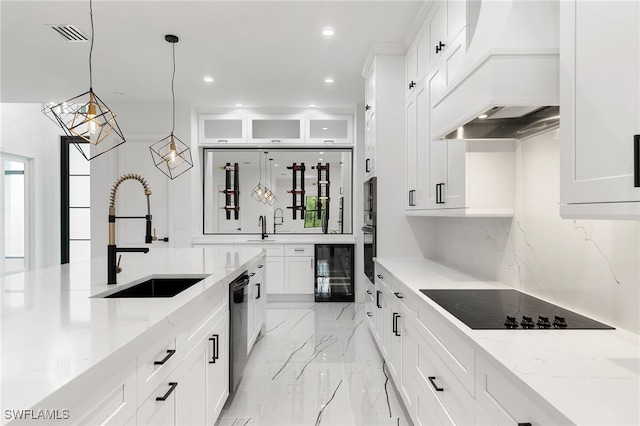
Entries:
{"x":276,"y":129}
{"x":600,"y":104}
{"x":217,"y":369}
{"x":222,"y":129}
{"x":500,"y":401}
{"x":329,"y":129}
{"x":416,"y":60}
{"x":418,"y":145}
{"x":193,"y":385}
{"x":255,"y":320}
{"x":275,"y":275}
{"x":298,"y":275}
{"x":162,"y":406}
{"x":384,"y":74}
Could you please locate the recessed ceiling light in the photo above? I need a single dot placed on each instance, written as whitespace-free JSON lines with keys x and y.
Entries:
{"x":324,"y":128}
{"x":328,"y":31}
{"x":328,"y":80}
{"x":239,"y":105}
{"x":275,"y":165}
{"x":319,"y":159}
{"x":321,"y":152}
{"x":312,"y":105}
{"x":208,"y":79}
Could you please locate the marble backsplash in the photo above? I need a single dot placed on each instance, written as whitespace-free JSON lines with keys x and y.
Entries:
{"x":591,"y":266}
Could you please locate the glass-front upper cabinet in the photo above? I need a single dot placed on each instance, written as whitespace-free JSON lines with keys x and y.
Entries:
{"x":330,"y":129}
{"x":276,"y":129}
{"x":222,"y":129}
{"x":296,"y":190}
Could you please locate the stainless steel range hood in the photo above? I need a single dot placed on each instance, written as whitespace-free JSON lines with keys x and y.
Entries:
{"x":510,"y":122}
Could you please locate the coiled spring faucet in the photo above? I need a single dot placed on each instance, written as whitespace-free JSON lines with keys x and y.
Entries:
{"x":112,"y":267}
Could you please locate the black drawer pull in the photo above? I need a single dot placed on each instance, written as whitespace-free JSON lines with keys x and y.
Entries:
{"x":432,"y":379}
{"x":366,"y":165}
{"x":258,"y":296}
{"x":380,"y":276}
{"x":252,"y":274}
{"x":216,"y":348}
{"x":170,"y":353}
{"x":412,"y":201}
{"x":395,"y":324}
{"x":378,"y":293}
{"x":398,"y":295}
{"x":369,"y":314}
{"x":368,"y":291}
{"x":524,"y":424}
{"x":439,"y":47}
{"x":166,"y":395}
{"x":636,"y":161}
{"x":260,"y":266}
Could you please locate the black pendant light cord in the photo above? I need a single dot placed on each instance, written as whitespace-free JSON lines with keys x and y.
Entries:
{"x":173,"y":93}
{"x":91,"y":48}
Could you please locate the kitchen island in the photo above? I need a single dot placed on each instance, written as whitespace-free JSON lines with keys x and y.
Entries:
{"x":66,"y":351}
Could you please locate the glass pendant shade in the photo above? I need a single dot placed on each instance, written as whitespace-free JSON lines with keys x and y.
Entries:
{"x":171,"y":156}
{"x":90,"y":119}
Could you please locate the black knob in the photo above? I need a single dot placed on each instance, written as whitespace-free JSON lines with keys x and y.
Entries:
{"x":511,"y":322}
{"x":559,"y":322}
{"x":439,"y":47}
{"x":367,"y":107}
{"x":527,"y":322}
{"x":412,"y":84}
{"x":543,"y":322}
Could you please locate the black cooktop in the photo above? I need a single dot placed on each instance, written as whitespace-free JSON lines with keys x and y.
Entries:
{"x":509,"y":309}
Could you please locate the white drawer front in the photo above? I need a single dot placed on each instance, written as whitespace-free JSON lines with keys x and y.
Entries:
{"x":155,"y":364}
{"x":453,"y":349}
{"x":435,"y":376}
{"x":270,"y":249}
{"x":299,"y":250}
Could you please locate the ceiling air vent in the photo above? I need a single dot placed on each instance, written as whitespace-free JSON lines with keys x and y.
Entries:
{"x":71,"y":33}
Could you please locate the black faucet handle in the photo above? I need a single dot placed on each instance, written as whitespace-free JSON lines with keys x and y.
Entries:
{"x":118,"y":267}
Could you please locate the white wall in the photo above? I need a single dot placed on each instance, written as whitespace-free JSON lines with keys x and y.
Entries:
{"x":26,"y":132}
{"x":592,"y":266}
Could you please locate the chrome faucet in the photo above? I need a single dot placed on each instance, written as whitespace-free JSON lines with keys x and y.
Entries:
{"x":262,"y":221}
{"x":112,"y":267}
{"x":277,"y":220}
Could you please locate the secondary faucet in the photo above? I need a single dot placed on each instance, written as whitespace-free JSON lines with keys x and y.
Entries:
{"x":262,"y":221}
{"x":112,"y":267}
{"x":277,"y":220}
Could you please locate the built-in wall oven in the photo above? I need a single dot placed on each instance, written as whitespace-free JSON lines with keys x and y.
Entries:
{"x":369,"y":228}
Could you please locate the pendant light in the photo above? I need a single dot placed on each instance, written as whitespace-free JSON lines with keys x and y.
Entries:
{"x":86,"y":116}
{"x":259,"y":190}
{"x":171,"y":155}
{"x":269,"y":196}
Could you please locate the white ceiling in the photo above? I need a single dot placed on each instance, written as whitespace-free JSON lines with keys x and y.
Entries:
{"x":260,"y":53}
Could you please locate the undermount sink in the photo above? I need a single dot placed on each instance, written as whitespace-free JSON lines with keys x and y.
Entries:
{"x":157,"y":287}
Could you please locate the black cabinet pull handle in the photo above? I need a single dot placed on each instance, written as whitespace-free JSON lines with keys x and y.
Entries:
{"x":398,"y":295}
{"x":395,"y":324}
{"x":368,"y":291}
{"x":366,"y":165}
{"x":439,"y":47}
{"x":412,"y":201}
{"x":367,"y":107}
{"x":636,"y":161}
{"x":170,"y":353}
{"x":260,"y":266}
{"x":524,"y":424}
{"x":258,"y":285}
{"x":379,"y":276}
{"x":166,"y":395}
{"x":223,"y":140}
{"x":252,"y":274}
{"x":412,"y":84}
{"x":378,"y":292}
{"x":439,"y":187}
{"x":432,"y":379}
{"x":369,"y":314}
{"x":216,"y":348}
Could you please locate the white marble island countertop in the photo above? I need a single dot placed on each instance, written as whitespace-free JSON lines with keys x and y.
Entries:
{"x":592,"y":377}
{"x":53,"y":330}
{"x":284,"y":238}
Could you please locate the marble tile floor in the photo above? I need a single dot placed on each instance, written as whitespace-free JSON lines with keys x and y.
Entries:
{"x":315,"y":364}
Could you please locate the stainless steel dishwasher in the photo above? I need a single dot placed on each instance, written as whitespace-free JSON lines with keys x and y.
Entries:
{"x":238,"y":328}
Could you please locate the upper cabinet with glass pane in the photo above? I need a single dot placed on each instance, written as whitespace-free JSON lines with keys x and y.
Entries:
{"x":276,"y":129}
{"x":222,"y":129}
{"x":330,"y":129}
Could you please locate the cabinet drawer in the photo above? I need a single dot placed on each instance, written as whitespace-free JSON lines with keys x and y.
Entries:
{"x":161,"y":407}
{"x":298,"y":250}
{"x":199,"y":329}
{"x":454,"y":350}
{"x":155,"y":364}
{"x":438,"y":381}
{"x":404,"y":296}
{"x":505,"y":403}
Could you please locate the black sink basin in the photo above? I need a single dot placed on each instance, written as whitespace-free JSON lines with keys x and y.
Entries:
{"x":157,"y":287}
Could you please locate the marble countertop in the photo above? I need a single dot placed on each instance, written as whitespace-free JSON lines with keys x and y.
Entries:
{"x":53,"y":330}
{"x":275,"y":239}
{"x":590,"y":376}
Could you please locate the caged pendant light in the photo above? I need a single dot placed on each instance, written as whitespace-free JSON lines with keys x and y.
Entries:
{"x":171,"y":155}
{"x":88,"y":117}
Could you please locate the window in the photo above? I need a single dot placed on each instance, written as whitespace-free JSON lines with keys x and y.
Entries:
{"x":75,"y":202}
